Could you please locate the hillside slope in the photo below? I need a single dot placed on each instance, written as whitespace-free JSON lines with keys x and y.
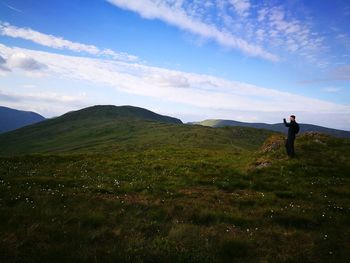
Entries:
{"x":278,"y":127}
{"x":11,"y":119}
{"x":180,"y":202}
{"x":110,"y":128}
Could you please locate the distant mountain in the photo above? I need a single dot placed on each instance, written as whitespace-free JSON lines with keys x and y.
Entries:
{"x":279,"y":127}
{"x":11,"y":119}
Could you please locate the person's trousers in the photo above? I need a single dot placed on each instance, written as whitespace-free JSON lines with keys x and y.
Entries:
{"x":290,"y":146}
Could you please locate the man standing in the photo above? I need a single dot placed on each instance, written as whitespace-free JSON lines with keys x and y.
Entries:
{"x":292,"y":131}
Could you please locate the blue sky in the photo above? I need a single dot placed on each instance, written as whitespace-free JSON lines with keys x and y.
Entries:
{"x":256,"y":61}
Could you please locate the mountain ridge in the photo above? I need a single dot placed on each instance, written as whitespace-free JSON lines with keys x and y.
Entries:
{"x":109,"y":128}
{"x":12,"y":119}
{"x":278,"y":127}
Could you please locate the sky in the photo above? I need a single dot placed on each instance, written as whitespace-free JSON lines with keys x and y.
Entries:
{"x":245,"y":60}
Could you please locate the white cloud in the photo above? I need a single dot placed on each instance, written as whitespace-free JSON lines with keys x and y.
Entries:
{"x":49,"y":97}
{"x":220,"y":97}
{"x":262,"y":14}
{"x":173,"y":13}
{"x":2,"y":60}
{"x":59,"y":43}
{"x":201,"y":91}
{"x":19,"y":60}
{"x":241,"y":6}
{"x":48,"y":104}
{"x":29,"y":86}
{"x":23,"y":61}
{"x":262,"y":29}
{"x":260,"y":34}
{"x":3,"y":66}
{"x":290,"y":33}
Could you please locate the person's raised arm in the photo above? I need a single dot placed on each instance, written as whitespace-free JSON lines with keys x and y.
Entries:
{"x":286,"y":123}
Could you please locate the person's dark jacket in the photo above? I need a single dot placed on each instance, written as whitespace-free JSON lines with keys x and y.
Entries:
{"x":293,"y":128}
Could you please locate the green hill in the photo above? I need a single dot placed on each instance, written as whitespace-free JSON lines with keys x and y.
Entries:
{"x":97,"y":186}
{"x":111,"y":128}
{"x":127,"y":113}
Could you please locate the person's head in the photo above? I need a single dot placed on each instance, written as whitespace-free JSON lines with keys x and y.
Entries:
{"x":292,"y":117}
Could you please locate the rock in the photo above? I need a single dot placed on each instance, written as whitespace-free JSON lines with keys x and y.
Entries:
{"x":262,"y":165}
{"x":273,"y":143}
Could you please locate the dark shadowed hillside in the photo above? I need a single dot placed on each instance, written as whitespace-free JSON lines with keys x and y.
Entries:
{"x":11,"y":119}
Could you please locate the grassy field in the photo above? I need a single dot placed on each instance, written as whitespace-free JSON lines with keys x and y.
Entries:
{"x":174,"y":193}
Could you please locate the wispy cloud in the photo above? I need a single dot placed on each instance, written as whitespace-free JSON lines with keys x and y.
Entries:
{"x":7,"y":98}
{"x":20,"y":61}
{"x":192,"y":89}
{"x":3,"y":66}
{"x":12,"y":8}
{"x":207,"y":93}
{"x":261,"y":30}
{"x":241,"y":6}
{"x":189,"y":19}
{"x":49,"y":104}
{"x":52,"y":41}
{"x":47,"y":97}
